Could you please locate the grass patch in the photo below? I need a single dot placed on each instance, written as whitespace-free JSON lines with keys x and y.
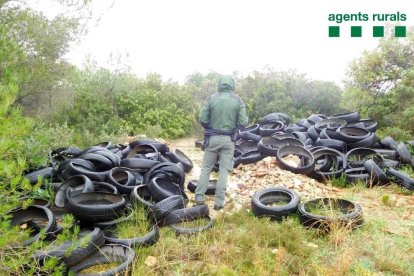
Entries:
{"x":280,"y":202}
{"x":99,"y":268}
{"x":137,"y":226}
{"x":193,"y":223}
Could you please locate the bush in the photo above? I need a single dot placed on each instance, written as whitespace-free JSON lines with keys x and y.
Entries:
{"x":396,"y":133}
{"x":171,"y":111}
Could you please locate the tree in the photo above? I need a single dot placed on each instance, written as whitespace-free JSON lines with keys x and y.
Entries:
{"x":45,"y":42}
{"x":380,"y":85}
{"x":288,"y":92}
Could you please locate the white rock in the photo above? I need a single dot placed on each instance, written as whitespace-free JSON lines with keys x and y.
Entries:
{"x":232,"y":185}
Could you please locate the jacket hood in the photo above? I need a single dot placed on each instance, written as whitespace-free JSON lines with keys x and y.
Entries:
{"x":226,"y":84}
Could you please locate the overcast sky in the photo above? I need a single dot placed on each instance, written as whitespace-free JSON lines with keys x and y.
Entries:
{"x":178,"y":37}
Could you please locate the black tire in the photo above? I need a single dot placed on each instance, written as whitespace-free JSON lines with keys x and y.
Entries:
{"x":282,"y":135}
{"x":115,"y":159}
{"x":250,"y":157}
{"x":187,"y":214}
{"x":148,"y":151}
{"x":93,"y":149}
{"x":377,"y":175}
{"x":162,"y":188}
{"x":94,"y":240}
{"x":161,"y":147}
{"x":45,"y":173}
{"x":349,"y":117}
{"x":77,"y":183}
{"x":161,"y":209}
{"x":308,"y":162}
{"x":352,"y":134}
{"x":351,"y":214}
{"x":369,"y":124}
{"x":104,"y":187}
{"x":328,"y":133}
{"x":96,"y":206}
{"x":354,"y":175}
{"x":300,"y":135}
{"x":403,"y":153}
{"x":314,"y":118}
{"x":401,"y":178}
{"x":293,"y":128}
{"x":70,"y":170}
{"x":252,"y":129}
{"x":387,"y":153}
{"x":304,"y":123}
{"x":67,"y":151}
{"x":179,"y":156}
{"x":101,"y":163}
{"x":249,"y":136}
{"x":330,"y":143}
{"x":142,"y":195}
{"x":261,"y":200}
{"x":211,"y":188}
{"x":333,"y":169}
{"x":247,"y":145}
{"x":139,"y":164}
{"x":271,"y":127}
{"x":362,"y":155}
{"x":110,"y":253}
{"x":269,"y":146}
{"x":41,"y":202}
{"x":107,"y":145}
{"x":333,"y":123}
{"x":148,"y":239}
{"x":277,"y":116}
{"x":180,"y":230}
{"x":128,"y":214}
{"x":324,"y":162}
{"x":391,"y":163}
{"x":238,"y":151}
{"x":389,"y":143}
{"x":364,"y":143}
{"x":309,"y":143}
{"x":73,"y":168}
{"x":31,"y":216}
{"x":313,"y":133}
{"x":167,"y":170}
{"x":122,"y":179}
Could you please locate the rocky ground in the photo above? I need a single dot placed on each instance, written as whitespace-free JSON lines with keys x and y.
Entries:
{"x":245,"y":180}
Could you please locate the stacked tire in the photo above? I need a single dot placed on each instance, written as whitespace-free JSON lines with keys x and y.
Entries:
{"x":326,"y":148}
{"x":101,"y":186}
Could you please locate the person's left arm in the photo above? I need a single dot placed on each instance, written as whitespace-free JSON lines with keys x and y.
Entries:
{"x":204,"y":116}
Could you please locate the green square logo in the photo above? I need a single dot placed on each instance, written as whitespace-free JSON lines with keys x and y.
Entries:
{"x":378,"y":31}
{"x":400,"y":31}
{"x":333,"y":31}
{"x":356,"y":31}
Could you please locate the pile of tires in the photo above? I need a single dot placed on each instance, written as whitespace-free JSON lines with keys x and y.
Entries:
{"x":100,"y":186}
{"x":323,"y":214}
{"x":327,"y":147}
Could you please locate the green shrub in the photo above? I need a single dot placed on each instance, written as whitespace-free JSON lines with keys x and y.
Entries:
{"x":396,"y":133}
{"x":171,"y":111}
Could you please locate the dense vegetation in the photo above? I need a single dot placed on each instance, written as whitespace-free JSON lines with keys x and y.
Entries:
{"x":45,"y":102}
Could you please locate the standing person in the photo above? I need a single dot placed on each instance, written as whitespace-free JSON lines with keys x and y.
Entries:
{"x":221,"y":116}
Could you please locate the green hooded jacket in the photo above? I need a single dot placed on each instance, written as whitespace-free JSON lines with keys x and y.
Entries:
{"x":224,"y":110}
